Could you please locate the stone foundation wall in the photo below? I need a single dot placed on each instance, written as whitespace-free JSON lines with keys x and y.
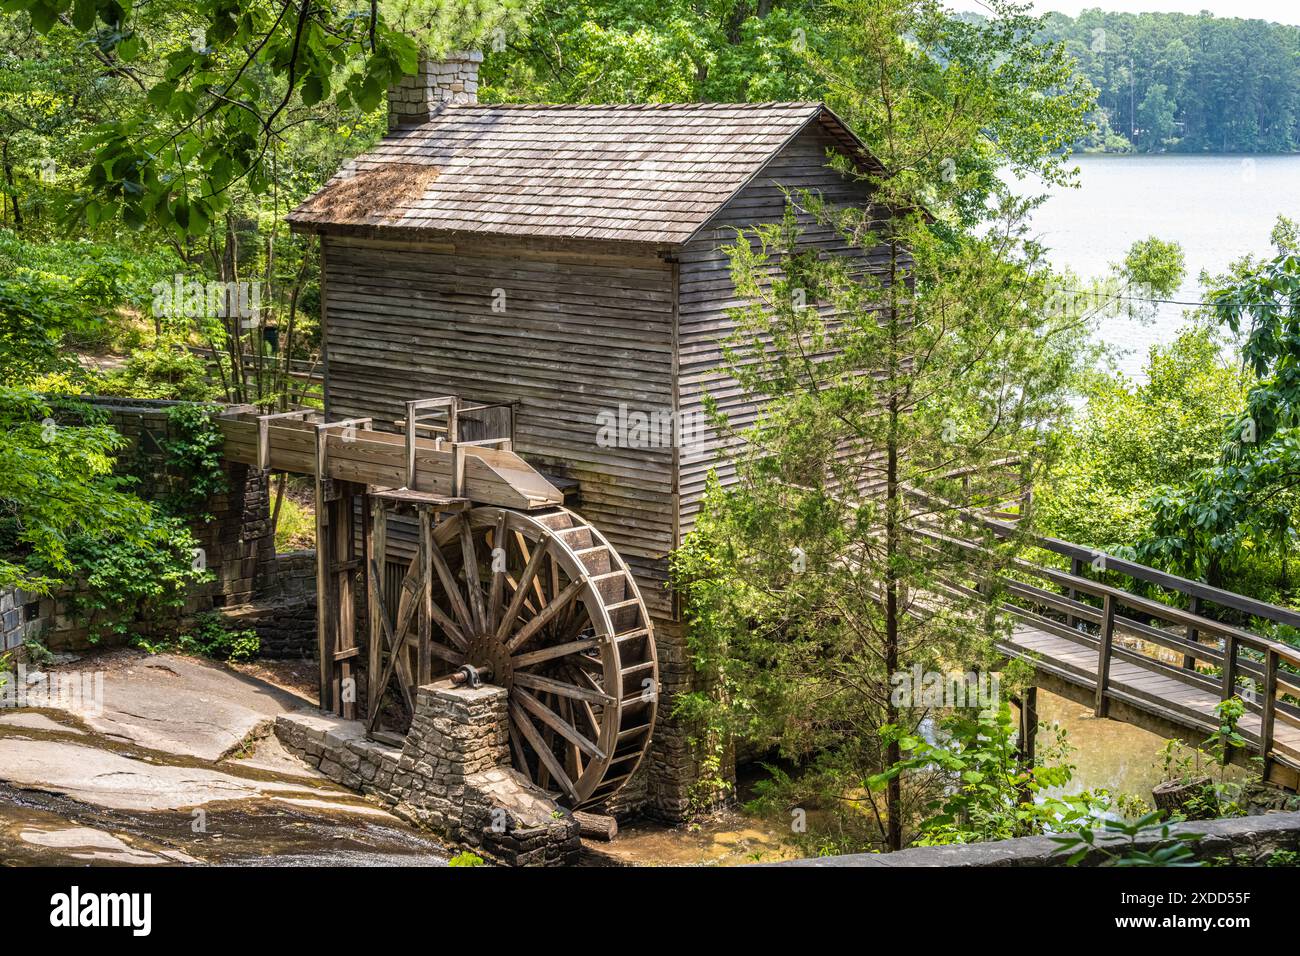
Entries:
{"x":283,"y":610}
{"x":451,"y":775}
{"x":23,"y":615}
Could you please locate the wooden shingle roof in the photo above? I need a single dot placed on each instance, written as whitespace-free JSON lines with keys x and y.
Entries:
{"x":647,"y":173}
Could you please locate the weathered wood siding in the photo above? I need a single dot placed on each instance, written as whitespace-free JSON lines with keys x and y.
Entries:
{"x":706,"y":293}
{"x":579,"y":335}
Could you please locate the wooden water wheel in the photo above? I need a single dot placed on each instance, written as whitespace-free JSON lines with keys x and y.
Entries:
{"x":544,"y":607}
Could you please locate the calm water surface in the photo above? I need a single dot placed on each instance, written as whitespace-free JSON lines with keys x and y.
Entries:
{"x":1218,"y":208}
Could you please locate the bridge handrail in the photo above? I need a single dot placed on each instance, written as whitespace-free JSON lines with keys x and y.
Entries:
{"x":1132,"y":569}
{"x":1158,"y":609}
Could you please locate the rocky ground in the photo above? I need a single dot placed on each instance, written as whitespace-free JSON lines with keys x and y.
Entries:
{"x":177,"y":764}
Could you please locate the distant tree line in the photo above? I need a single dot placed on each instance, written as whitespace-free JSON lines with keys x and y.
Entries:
{"x":1186,"y":83}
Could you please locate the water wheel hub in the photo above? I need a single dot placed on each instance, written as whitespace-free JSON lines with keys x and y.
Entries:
{"x":491,"y":656}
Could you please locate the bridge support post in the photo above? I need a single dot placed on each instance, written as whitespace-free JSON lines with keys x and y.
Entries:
{"x":1104,"y":648}
{"x":1268,"y":719}
{"x":336,"y":567}
{"x":1028,"y":706}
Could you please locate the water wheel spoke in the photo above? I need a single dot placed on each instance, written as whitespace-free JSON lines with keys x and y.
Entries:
{"x":473,"y":580}
{"x":555,"y":650}
{"x":548,"y":614}
{"x":446,"y":653}
{"x":537,"y":682}
{"x":574,"y":752}
{"x":497,"y":592}
{"x":516,"y":744}
{"x":452,"y":590}
{"x":544,"y":753}
{"x":578,"y":676}
{"x":529,"y":554}
{"x":521,"y":590}
{"x":553,"y":720}
{"x":449,"y":627}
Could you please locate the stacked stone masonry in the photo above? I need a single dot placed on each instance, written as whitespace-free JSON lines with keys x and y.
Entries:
{"x":453,"y":79}
{"x":452,"y":775}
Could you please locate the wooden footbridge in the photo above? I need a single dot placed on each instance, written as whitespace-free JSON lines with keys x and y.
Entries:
{"x":1146,"y":647}
{"x":472,"y":569}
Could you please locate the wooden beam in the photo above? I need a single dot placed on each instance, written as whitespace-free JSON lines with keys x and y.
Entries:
{"x":424,"y":656}
{"x":376,"y":557}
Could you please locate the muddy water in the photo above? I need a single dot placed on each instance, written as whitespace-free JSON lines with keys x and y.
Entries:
{"x":1107,"y":754}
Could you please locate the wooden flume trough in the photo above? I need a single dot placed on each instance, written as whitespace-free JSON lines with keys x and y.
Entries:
{"x":505,"y":582}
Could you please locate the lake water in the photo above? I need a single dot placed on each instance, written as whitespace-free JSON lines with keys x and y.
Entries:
{"x":1218,"y":208}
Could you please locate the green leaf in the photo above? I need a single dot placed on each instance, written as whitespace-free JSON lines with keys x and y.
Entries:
{"x":312,"y":90}
{"x":43,"y":16}
{"x":83,"y":14}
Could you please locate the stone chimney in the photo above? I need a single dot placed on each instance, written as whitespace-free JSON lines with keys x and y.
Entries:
{"x":453,"y":79}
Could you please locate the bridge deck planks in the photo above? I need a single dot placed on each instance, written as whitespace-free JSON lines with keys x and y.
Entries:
{"x":1193,"y":706}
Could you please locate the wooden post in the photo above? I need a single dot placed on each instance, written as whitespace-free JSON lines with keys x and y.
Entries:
{"x":324,"y":599}
{"x":1268,"y":718}
{"x":457,"y":471}
{"x":1076,"y":568}
{"x":344,"y":568}
{"x":1229,"y":666}
{"x":1229,"y":680}
{"x":1028,"y":726}
{"x":376,"y":557}
{"x":1193,"y":636}
{"x":424,"y":650}
{"x":1103,"y":653}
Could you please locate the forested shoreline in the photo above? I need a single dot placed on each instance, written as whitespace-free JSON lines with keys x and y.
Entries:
{"x":1172,"y":82}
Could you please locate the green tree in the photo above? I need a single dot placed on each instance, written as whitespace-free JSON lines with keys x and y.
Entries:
{"x":888,"y":397}
{"x":1131,"y":439}
{"x":1244,"y":502}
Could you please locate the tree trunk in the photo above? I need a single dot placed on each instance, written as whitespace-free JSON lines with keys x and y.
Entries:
{"x":893,"y":754}
{"x":13,"y":188}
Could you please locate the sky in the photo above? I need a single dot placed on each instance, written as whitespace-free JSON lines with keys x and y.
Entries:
{"x":1280,"y":11}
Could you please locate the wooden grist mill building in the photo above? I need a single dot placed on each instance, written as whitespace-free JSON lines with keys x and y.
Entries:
{"x":550,"y":278}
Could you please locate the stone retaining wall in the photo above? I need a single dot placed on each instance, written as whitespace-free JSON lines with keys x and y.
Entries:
{"x":1246,"y":841}
{"x":252,"y":585}
{"x":283,"y":611}
{"x":23,"y":615}
{"x":452,"y":774}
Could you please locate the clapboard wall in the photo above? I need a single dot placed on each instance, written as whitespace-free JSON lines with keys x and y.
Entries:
{"x":706,"y":293}
{"x":568,"y":335}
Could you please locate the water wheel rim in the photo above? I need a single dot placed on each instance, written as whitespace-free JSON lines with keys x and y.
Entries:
{"x":546,"y":711}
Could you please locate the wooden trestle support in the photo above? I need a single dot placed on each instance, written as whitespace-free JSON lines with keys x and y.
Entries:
{"x":471,"y":566}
